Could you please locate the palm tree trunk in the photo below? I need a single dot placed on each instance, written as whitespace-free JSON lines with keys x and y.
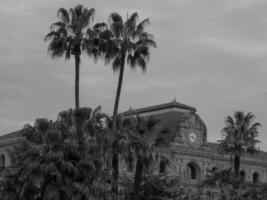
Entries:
{"x":77,"y":104}
{"x":137,"y":179}
{"x":237,"y":165}
{"x":115,"y":162}
{"x":118,"y":93}
{"x":77,"y":81}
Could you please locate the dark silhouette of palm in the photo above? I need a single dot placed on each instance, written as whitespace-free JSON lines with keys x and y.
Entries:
{"x":125,"y":42}
{"x":143,"y":137}
{"x":240,"y":135}
{"x":56,"y":162}
{"x":68,"y":37}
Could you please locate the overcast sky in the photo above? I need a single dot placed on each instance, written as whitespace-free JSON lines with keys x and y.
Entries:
{"x":211,"y":55}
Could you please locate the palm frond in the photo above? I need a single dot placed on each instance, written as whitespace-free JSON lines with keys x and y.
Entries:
{"x":117,"y":29}
{"x":51,"y":35}
{"x":116,"y":64}
{"x":69,"y":45}
{"x":130,"y":24}
{"x":114,"y":18}
{"x":141,"y":26}
{"x":57,"y":47}
{"x":56,"y":25}
{"x":78,"y":10}
{"x":87,"y":16}
{"x":142,"y":63}
{"x":100,"y":27}
{"x":42,"y":124}
{"x":131,"y":61}
{"x":63,"y":15}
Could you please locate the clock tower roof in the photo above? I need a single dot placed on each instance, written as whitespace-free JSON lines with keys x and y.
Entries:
{"x":179,"y":119}
{"x":161,"y":107}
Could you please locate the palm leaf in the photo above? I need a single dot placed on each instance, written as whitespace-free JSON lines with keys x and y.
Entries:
{"x":51,"y":35}
{"x":130,"y":24}
{"x":57,"y":25}
{"x":114,"y":18}
{"x":63,"y":15}
{"x":87,"y":16}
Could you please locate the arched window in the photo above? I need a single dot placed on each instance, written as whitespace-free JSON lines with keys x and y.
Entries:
{"x":130,"y":165}
{"x":162,"y":167}
{"x":243,"y":175}
{"x":255,"y":177}
{"x":193,"y":171}
{"x":208,"y":195}
{"x":214,"y":169}
{"x":2,"y":161}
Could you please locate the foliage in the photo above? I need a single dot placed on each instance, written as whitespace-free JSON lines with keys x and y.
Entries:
{"x":233,"y":188}
{"x":244,"y":192}
{"x":167,"y":188}
{"x":225,"y":177}
{"x":70,"y":35}
{"x":160,"y":187}
{"x":123,"y":42}
{"x":120,"y":42}
{"x":142,"y":137}
{"x":126,"y":40}
{"x":240,"y":135}
{"x":54,"y":162}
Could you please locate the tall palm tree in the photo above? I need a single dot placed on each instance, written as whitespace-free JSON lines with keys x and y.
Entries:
{"x":68,"y":36}
{"x":122,"y":42}
{"x":240,"y":135}
{"x":126,"y":42}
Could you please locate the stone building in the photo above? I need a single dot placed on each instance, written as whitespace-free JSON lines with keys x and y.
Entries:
{"x":189,"y":153}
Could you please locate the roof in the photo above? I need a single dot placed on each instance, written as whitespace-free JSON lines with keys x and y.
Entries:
{"x":172,"y":104}
{"x":11,"y":135}
{"x":213,"y":145}
{"x":260,"y":154}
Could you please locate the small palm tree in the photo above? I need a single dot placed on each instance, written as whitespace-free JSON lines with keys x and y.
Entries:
{"x":50,"y":163}
{"x":240,"y":135}
{"x":143,"y":138}
{"x":69,"y":36}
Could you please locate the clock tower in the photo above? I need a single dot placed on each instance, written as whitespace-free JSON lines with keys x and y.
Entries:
{"x":185,"y":126}
{"x":191,"y":129}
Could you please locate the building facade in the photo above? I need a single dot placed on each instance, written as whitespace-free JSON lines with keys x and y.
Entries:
{"x":190,"y":155}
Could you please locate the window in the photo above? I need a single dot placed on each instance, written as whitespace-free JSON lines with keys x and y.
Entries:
{"x":162,"y":167}
{"x":130,"y":165}
{"x":193,"y":171}
{"x":243,"y":175}
{"x":2,"y":161}
{"x":214,"y":169}
{"x":208,"y":195}
{"x":255,"y":177}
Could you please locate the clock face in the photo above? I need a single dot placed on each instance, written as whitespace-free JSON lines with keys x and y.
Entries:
{"x":193,"y":138}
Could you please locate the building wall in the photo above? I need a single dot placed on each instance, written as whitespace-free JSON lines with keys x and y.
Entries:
{"x":203,"y":160}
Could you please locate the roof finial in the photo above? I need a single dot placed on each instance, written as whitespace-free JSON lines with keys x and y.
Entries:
{"x":174,"y":100}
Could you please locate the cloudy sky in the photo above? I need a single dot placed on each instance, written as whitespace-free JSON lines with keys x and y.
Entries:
{"x":211,"y":55}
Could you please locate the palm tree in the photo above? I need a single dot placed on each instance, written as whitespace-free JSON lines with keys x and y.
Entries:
{"x":49,"y":163}
{"x":125,"y":42}
{"x":68,"y":37}
{"x":240,"y":135}
{"x":143,"y":138}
